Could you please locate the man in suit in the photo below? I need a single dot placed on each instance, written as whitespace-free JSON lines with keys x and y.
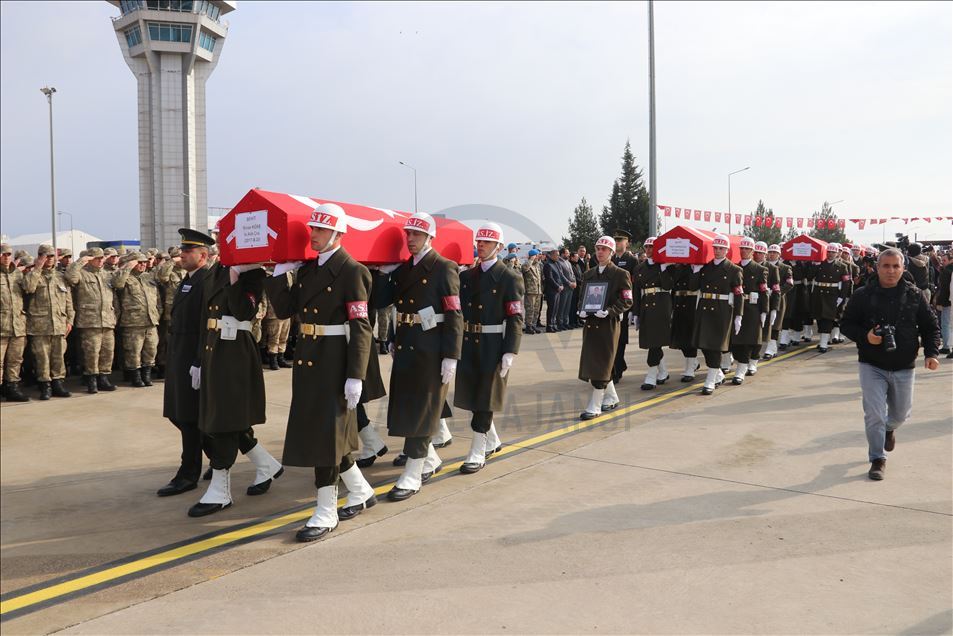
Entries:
{"x":553,"y":286}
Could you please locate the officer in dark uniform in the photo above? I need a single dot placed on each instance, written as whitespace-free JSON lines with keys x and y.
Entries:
{"x":626,"y":260}
{"x":684,"y":302}
{"x":746,"y":339}
{"x":652,"y":306}
{"x":854,"y":271}
{"x":774,"y":302}
{"x":180,"y":399}
{"x":782,"y":293}
{"x":830,"y":279}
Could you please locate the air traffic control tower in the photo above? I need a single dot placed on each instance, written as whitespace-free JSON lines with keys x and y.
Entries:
{"x":171,"y":46}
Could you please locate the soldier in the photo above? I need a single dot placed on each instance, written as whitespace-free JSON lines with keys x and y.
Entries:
{"x":49,"y":319}
{"x":110,"y":260}
{"x":65,"y":258}
{"x":168,"y":275}
{"x":830,"y":278}
{"x":213,"y":255}
{"x":684,"y":301}
{"x":12,"y":325}
{"x":372,"y":446}
{"x":230,"y":383}
{"x":780,"y":293}
{"x":773,"y":298}
{"x":139,"y":294}
{"x":854,"y":272}
{"x":95,"y":318}
{"x":601,"y":335}
{"x":427,"y":342}
{"x":626,"y":260}
{"x":534,"y":292}
{"x":276,"y":337}
{"x":330,"y":296}
{"x":492,"y":298}
{"x":720,"y":305}
{"x":652,"y":308}
{"x":746,"y":341}
{"x":180,"y":399}
{"x":383,"y":314}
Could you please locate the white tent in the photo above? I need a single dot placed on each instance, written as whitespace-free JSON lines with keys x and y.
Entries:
{"x":75,"y":240}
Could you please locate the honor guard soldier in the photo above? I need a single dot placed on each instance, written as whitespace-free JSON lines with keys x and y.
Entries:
{"x":850,"y":285}
{"x":139,"y":295}
{"x":651,"y":288}
{"x":230,"y":383}
{"x":830,"y":278}
{"x":774,"y":300}
{"x":782,"y":293}
{"x":12,"y":325}
{"x":372,"y":446}
{"x":330,"y":297}
{"x":746,"y":340}
{"x":49,"y":320}
{"x":684,"y":302}
{"x":601,"y":335}
{"x":95,"y":319}
{"x":720,"y":303}
{"x":799,"y":304}
{"x":427,"y":342}
{"x":180,"y":402}
{"x":626,"y":260}
{"x":491,"y":295}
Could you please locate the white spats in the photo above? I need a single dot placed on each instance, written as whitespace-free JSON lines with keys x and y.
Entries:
{"x":610,"y":397}
{"x":443,"y":433}
{"x":740,"y":372}
{"x":719,"y":376}
{"x":371,"y":442}
{"x":712,"y":378}
{"x":492,"y":439}
{"x":410,"y":478}
{"x":358,"y":490}
{"x":772,"y":348}
{"x":825,"y":340}
{"x":835,"y":333}
{"x":752,"y":366}
{"x":219,"y":489}
{"x":662,"y":371}
{"x":326,"y":512}
{"x":595,"y":402}
{"x":477,"y":454}
{"x":690,"y":365}
{"x":651,"y":378}
{"x":808,"y":331}
{"x":726,"y":360}
{"x":785,"y":337}
{"x":797,"y":336}
{"x":432,"y":460}
{"x":265,"y":465}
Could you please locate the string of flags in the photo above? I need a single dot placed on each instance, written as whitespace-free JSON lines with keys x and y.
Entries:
{"x":755,"y":220}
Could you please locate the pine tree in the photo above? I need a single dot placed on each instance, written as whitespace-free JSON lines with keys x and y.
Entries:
{"x":628,"y":207}
{"x":822,"y":230}
{"x":792,"y":232}
{"x":583,"y":229}
{"x":762,"y":226}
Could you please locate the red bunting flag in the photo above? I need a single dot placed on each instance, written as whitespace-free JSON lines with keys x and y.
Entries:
{"x":698,"y":215}
{"x":717,"y":217}
{"x":737,"y":218}
{"x":790,"y":222}
{"x":747,"y":219}
{"x":757,"y":221}
{"x":810,"y":222}
{"x":777,"y":222}
{"x":861,"y":223}
{"x":707,"y":215}
{"x":678,"y":213}
{"x":841,"y":223}
{"x":800,"y":222}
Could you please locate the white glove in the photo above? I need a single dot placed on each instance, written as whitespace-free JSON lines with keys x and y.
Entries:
{"x":602,"y":313}
{"x":391,"y":348}
{"x":774,"y":315}
{"x":387,"y":269}
{"x":697,"y":268}
{"x":663,"y":266}
{"x":583,"y":314}
{"x":840,"y":300}
{"x":352,"y":392}
{"x":763,"y":318}
{"x":506,"y":363}
{"x":284,"y":268}
{"x":241,"y":269}
{"x":737,"y":324}
{"x":447,"y":368}
{"x":196,"y":374}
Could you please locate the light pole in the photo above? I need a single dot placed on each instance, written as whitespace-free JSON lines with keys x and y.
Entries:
{"x":48,"y":91}
{"x":415,"y":182}
{"x":72,"y":245}
{"x":729,"y":194}
{"x":653,"y":193}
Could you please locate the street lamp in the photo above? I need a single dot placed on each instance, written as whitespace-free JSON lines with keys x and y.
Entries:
{"x":415,"y":182}
{"x":653,"y":192}
{"x":729,"y":194}
{"x":72,"y":238}
{"x":48,"y":91}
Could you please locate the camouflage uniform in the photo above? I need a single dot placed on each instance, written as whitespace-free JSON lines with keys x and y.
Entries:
{"x":532,"y":282}
{"x":12,"y":324}
{"x":95,"y":315}
{"x":140,"y":318}
{"x":49,"y":317}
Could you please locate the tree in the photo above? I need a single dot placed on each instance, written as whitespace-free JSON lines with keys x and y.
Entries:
{"x":822,"y":229}
{"x":792,"y":232}
{"x":628,"y":207}
{"x":763,"y":226}
{"x":583,"y":229}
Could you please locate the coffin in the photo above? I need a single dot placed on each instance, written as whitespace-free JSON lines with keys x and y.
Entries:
{"x":804,"y":248}
{"x":691,"y":246}
{"x":272,"y":227}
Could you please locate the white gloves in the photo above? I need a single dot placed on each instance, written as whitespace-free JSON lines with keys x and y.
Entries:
{"x":602,"y":313}
{"x":764,"y":317}
{"x":352,"y":392}
{"x":840,"y":300}
{"x":737,"y":324}
{"x":506,"y":363}
{"x":773,"y":316}
{"x":583,"y":314}
{"x":697,"y":268}
{"x":447,"y":368}
{"x":196,"y":374}
{"x":391,"y":348}
{"x":387,"y":269}
{"x":283,"y":268}
{"x":663,"y":266}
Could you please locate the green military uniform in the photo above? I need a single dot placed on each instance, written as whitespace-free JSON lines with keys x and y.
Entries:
{"x":684,"y":301}
{"x":49,"y":318}
{"x":95,"y":320}
{"x":652,"y":292}
{"x":12,"y":328}
{"x":774,"y":298}
{"x":532,"y":284}
{"x":139,"y":295}
{"x":276,"y":331}
{"x":746,"y":342}
{"x":829,"y":293}
{"x":720,"y":301}
{"x":601,"y":337}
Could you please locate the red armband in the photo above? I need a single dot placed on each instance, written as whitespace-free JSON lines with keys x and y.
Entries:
{"x":737,"y":291}
{"x":776,"y":287}
{"x":763,"y":287}
{"x":845,"y":277}
{"x":451,"y":303}
{"x":626,"y":294}
{"x":789,"y":281}
{"x":357,"y":309}
{"x":514,"y":308}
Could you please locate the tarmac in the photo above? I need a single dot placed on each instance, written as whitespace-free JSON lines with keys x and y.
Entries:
{"x":748,"y":511}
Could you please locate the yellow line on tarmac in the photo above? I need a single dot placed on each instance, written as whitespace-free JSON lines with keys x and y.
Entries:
{"x":204,"y":545}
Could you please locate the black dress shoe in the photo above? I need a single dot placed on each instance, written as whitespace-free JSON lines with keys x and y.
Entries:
{"x":308,"y":534}
{"x":610,"y":407}
{"x":737,"y":381}
{"x":493,"y":450}
{"x":688,"y":378}
{"x":749,"y":372}
{"x":647,"y":387}
{"x":349,"y":512}
{"x":945,"y":350}
{"x":782,"y":347}
{"x":425,"y":477}
{"x":103,"y":383}
{"x":444,"y":444}
{"x":707,"y":391}
{"x":176,"y":487}
{"x":663,"y":380}
{"x":369,"y":461}
{"x":822,"y":349}
{"x":207,"y":475}
{"x":586,"y":415}
{"x":400,"y":494}
{"x":262,"y":488}
{"x":469,"y":468}
{"x":204,"y":509}
{"x":400,"y":460}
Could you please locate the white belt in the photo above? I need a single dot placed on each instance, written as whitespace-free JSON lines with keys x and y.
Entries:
{"x":753,"y":298}
{"x":475,"y":327}
{"x":228,"y":326}
{"x":653,"y":290}
{"x":799,"y":282}
{"x":311,"y":329}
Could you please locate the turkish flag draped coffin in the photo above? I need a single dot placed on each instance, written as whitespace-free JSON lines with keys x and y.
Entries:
{"x":689,"y":245}
{"x":272,"y":227}
{"x":804,"y":248}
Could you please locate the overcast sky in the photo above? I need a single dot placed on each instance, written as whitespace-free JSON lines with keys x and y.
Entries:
{"x":525,"y":106}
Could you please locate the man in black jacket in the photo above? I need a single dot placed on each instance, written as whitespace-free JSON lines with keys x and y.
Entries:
{"x":888,"y":319}
{"x":553,"y":286}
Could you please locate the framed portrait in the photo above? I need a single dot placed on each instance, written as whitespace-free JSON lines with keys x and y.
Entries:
{"x":594,"y":298}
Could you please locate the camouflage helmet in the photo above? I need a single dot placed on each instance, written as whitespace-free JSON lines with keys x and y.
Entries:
{"x":45,"y":250}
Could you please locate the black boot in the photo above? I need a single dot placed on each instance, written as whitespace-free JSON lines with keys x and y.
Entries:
{"x":273,"y":361}
{"x":283,"y":362}
{"x":103,"y":383}
{"x":89,"y":381}
{"x":14,"y":394}
{"x":135,"y":378}
{"x":45,"y":391}
{"x":59,"y":390}
{"x":146,"y":374}
{"x":158,"y":372}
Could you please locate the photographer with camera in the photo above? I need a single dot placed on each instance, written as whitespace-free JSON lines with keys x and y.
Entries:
{"x":888,"y":319}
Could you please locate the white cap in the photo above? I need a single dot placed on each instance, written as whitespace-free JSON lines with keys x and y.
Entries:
{"x":833,"y":247}
{"x":774,"y":247}
{"x":606,"y":241}
{"x":761,"y":247}
{"x":649,"y":241}
{"x":421,"y":222}
{"x":720,"y":240}
{"x":489,"y":231}
{"x":330,"y":216}
{"x":844,"y":248}
{"x":747,"y":243}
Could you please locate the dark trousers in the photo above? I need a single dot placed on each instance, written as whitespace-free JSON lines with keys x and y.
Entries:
{"x":598,"y":384}
{"x":329,"y":475}
{"x":362,"y":419}
{"x":712,"y":358}
{"x":190,"y":467}
{"x":824,"y":326}
{"x":552,"y":309}
{"x":222,"y":448}
{"x":775,"y":334}
{"x":574,"y":320}
{"x":416,"y":447}
{"x":565,"y":307}
{"x":741,"y":353}
{"x":655,"y":356}
{"x":481,"y":421}
{"x":690,"y":352}
{"x":618,"y":365}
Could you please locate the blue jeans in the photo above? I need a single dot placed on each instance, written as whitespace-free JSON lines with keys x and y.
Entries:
{"x":946,"y":325}
{"x":565,"y":307}
{"x":888,"y":399}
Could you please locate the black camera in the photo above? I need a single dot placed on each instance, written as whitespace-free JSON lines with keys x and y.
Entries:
{"x":889,"y":334}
